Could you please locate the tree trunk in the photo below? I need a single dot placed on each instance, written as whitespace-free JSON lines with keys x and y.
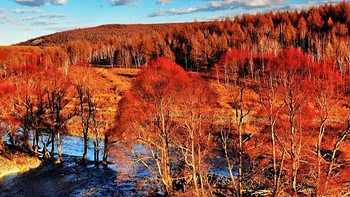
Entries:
{"x":230,"y":167}
{"x":53,"y":145}
{"x":200,"y":170}
{"x":330,"y":169}
{"x":294,"y":159}
{"x":59,"y":148}
{"x":319,"y":158}
{"x":293,"y":143}
{"x":239,"y":117}
{"x":35,"y":140}
{"x":105,"y":151}
{"x":28,"y":145}
{"x":274,"y":159}
{"x":46,"y":153}
{"x":96,"y":151}
{"x":85,"y":146}
{"x":280,"y":173}
{"x":240,"y":166}
{"x":167,"y":180}
{"x":194,"y":170}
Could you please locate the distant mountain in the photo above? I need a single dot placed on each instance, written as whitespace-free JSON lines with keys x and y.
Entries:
{"x":98,"y":34}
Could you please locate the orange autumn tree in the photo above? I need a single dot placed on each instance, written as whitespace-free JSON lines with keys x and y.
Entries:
{"x":6,"y":94}
{"x":235,"y":68}
{"x":328,"y":90}
{"x":24,"y":101}
{"x":86,"y":106}
{"x":170,"y":114}
{"x":271,"y":108}
{"x":147,"y":116}
{"x":195,"y":136}
{"x":57,"y":114}
{"x":293,"y":70}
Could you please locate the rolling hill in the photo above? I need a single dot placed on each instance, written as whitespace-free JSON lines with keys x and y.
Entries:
{"x":98,"y":34}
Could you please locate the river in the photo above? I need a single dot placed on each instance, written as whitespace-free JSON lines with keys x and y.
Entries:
{"x":72,"y":179}
{"x":69,"y":178}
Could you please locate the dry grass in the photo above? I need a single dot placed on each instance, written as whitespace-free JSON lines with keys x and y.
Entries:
{"x":108,"y":86}
{"x":17,"y":163}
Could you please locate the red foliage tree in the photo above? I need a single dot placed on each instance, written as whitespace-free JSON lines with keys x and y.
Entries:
{"x":57,"y":114}
{"x":6,"y":95}
{"x":147,"y":115}
{"x":294,"y":71}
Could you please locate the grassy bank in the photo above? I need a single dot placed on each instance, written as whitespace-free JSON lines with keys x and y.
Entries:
{"x":17,"y":163}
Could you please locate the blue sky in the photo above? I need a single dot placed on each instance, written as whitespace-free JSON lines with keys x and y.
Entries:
{"x":21,"y":20}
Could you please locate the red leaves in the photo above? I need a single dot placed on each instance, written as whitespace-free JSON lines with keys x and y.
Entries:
{"x":289,"y":62}
{"x":239,"y":56}
{"x":166,"y":110}
{"x":162,"y":87}
{"x":155,"y":91}
{"x":234,"y":57}
{"x":6,"y":89}
{"x":160,"y":80}
{"x":23,"y":70}
{"x":232,"y":64}
{"x":292,"y":61}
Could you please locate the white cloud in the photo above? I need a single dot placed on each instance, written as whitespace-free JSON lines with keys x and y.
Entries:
{"x":164,"y":2}
{"x":39,"y":20}
{"x":26,"y":10}
{"x":220,"y":17}
{"x":49,"y":16}
{"x":4,"y":16}
{"x":174,"y":12}
{"x":125,"y":2}
{"x":299,"y":7}
{"x":60,"y":2}
{"x":220,"y":5}
{"x":120,"y":2}
{"x":44,"y":23}
{"x":63,"y":27}
{"x":40,"y":2}
{"x":2,"y":10}
{"x":307,"y":4}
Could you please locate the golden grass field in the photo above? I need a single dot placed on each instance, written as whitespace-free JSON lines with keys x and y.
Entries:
{"x":17,"y":163}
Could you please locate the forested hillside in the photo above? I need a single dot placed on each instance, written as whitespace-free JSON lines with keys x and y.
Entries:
{"x":254,"y":106}
{"x":320,"y":32}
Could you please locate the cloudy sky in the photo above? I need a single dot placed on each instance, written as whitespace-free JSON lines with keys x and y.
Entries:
{"x":21,"y":20}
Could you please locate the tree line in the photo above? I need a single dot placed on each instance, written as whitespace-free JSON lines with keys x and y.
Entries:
{"x":319,"y":31}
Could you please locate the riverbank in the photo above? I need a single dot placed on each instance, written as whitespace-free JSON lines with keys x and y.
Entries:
{"x":68,"y":179}
{"x":11,"y":163}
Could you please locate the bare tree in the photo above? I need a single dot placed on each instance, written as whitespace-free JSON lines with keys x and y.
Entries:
{"x":86,"y":106}
{"x":272,"y":105}
{"x":57,"y":115}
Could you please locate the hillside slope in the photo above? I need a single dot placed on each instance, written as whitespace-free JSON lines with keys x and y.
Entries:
{"x":107,"y":85}
{"x":98,"y":34}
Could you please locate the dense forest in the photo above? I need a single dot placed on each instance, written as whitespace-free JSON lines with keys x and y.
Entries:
{"x":320,"y":32}
{"x":264,"y":97}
